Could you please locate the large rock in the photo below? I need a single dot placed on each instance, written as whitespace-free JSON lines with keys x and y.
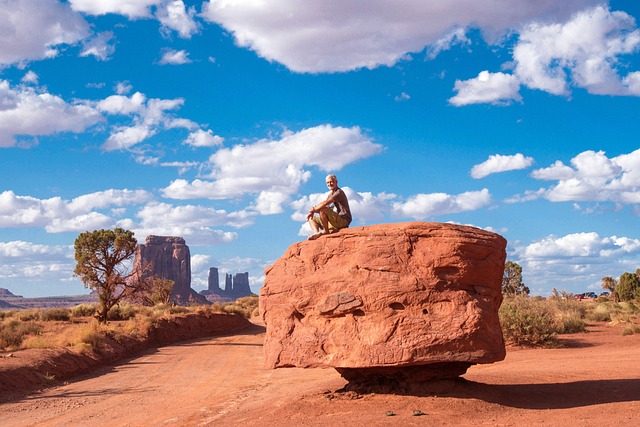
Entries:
{"x":167,"y":257}
{"x":384,"y":298}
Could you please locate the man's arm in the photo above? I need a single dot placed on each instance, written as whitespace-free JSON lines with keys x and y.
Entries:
{"x":320,"y":206}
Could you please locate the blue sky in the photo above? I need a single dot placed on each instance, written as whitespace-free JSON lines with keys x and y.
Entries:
{"x":218,"y":120}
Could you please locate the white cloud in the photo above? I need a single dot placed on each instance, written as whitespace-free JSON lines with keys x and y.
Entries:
{"x":127,"y":136}
{"x":402,"y":97}
{"x":173,"y":15}
{"x":27,"y":112}
{"x":588,"y":47}
{"x":57,"y":215}
{"x":101,"y":46}
{"x":594,"y":177}
{"x":329,"y":36}
{"x":130,"y":8}
{"x":576,"y":260}
{"x":20,"y":260}
{"x":119,"y":104}
{"x":202,"y":138}
{"x":174,"y":57}
{"x":498,"y":163}
{"x":457,"y":36}
{"x":193,"y":223}
{"x":556,"y":171}
{"x":422,"y":206}
{"x":32,"y":29}
{"x":276,"y":166}
{"x":148,"y":117}
{"x":494,"y":88}
{"x":30,"y":77}
{"x":270,"y":202}
{"x":108,"y":198}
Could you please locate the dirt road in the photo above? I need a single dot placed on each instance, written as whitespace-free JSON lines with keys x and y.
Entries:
{"x":220,"y":381}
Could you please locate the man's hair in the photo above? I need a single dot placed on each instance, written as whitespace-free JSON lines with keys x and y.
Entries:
{"x":332,"y":176}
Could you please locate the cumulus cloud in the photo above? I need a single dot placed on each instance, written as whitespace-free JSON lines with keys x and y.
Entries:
{"x":174,"y":15}
{"x":26,"y":111}
{"x":557,"y":171}
{"x":20,"y":260}
{"x":100,"y":46}
{"x":330,"y":36}
{"x":33,"y":29}
{"x":174,"y":57}
{"x":577,"y":259}
{"x":588,"y":47}
{"x":203,"y":138}
{"x":422,"y":206}
{"x":129,"y":8}
{"x":148,"y":117}
{"x":493,"y":88}
{"x":584,"y":51}
{"x":592,"y":177}
{"x":194,"y":223}
{"x":30,"y":77}
{"x":498,"y":163}
{"x":276,"y":166}
{"x":57,"y":215}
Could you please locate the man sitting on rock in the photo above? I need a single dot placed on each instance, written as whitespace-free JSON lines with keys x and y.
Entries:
{"x":329,"y":220}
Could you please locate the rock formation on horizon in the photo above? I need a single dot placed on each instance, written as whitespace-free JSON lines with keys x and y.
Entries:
{"x":169,"y":258}
{"x":235,"y":286}
{"x":408,"y":301}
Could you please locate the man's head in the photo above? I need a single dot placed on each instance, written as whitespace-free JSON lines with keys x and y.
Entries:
{"x":332,"y":182}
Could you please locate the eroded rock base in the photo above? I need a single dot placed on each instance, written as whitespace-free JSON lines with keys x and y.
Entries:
{"x":400,"y":379}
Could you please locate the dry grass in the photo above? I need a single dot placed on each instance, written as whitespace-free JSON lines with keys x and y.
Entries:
{"x":76,"y":327}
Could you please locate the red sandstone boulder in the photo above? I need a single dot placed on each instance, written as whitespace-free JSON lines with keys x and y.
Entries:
{"x":366,"y":299}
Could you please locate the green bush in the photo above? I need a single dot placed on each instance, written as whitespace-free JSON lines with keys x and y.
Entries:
{"x":14,"y":332}
{"x":527,"y":321}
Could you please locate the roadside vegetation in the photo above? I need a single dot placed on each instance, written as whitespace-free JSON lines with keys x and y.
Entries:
{"x":537,"y":321}
{"x":77,"y":327}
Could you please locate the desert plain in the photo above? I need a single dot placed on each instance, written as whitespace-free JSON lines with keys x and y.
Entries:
{"x":592,"y":378}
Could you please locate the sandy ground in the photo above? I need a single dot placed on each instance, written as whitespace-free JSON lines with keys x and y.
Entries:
{"x":594,"y":380}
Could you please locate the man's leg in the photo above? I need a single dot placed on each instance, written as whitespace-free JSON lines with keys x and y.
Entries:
{"x":324,"y":218}
{"x":314,"y":225}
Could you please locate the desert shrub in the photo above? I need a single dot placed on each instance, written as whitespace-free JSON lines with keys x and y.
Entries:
{"x":568,"y":315}
{"x":89,"y":335}
{"x":603,"y":311}
{"x":40,"y":341}
{"x":122,"y":311}
{"x":13,"y":333}
{"x":29,"y":314}
{"x":234,"y":308}
{"x":51,"y":314}
{"x":83,"y":310}
{"x":217,"y":307}
{"x":248,"y":303}
{"x":527,"y":321}
{"x":631,"y":329}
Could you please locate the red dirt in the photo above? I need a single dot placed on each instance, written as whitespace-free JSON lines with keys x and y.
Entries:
{"x":593,"y":380}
